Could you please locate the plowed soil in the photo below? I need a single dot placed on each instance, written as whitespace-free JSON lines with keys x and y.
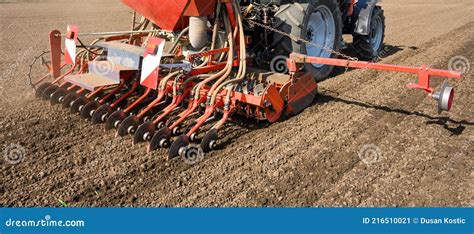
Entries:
{"x":313,"y":159}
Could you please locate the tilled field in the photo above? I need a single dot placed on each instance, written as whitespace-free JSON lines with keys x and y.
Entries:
{"x":313,"y":159}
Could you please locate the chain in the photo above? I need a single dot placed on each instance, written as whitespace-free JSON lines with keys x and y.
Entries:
{"x":298,"y":39}
{"x":30,"y":69}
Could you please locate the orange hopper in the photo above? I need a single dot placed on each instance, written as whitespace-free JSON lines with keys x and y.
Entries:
{"x":171,"y":14}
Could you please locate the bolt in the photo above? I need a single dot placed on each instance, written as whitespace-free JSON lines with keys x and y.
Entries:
{"x":117,"y":123}
{"x":176,"y":131}
{"x":131,"y":130}
{"x":212,"y":144}
{"x":181,"y":151}
{"x":163,"y":143}
{"x":146,"y":136}
{"x":193,"y":137}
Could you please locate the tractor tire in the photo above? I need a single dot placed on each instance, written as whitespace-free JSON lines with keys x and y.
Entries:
{"x":300,"y":18}
{"x":371,"y":46}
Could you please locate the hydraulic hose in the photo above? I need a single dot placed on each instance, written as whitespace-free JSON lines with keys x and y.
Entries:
{"x":242,"y":61}
{"x":226,"y":71}
{"x":230,"y":61}
{"x":216,"y":26}
{"x":166,"y":78}
{"x":175,"y":43}
{"x":191,"y":79}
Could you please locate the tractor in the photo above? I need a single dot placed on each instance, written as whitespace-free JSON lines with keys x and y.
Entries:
{"x":189,"y":67}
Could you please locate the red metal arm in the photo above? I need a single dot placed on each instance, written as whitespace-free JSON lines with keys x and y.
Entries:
{"x":424,"y":72}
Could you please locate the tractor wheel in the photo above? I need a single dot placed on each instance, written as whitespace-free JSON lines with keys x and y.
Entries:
{"x":317,"y":21}
{"x":370,"y":46}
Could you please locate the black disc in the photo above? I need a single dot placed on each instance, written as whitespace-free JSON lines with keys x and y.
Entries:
{"x":162,"y":134}
{"x":58,"y":96}
{"x":209,"y":140}
{"x":101,"y":114}
{"x":114,"y":119}
{"x":78,"y":104}
{"x":128,"y":126}
{"x":147,"y":128}
{"x":89,"y":109}
{"x":180,"y":142}
{"x":68,"y":99}
{"x":41,"y":88}
{"x":49,"y":91}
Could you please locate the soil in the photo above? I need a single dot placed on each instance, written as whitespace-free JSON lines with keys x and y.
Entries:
{"x":323,"y":157}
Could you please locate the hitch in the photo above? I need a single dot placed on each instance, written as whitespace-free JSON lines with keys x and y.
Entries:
{"x":444,"y":97}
